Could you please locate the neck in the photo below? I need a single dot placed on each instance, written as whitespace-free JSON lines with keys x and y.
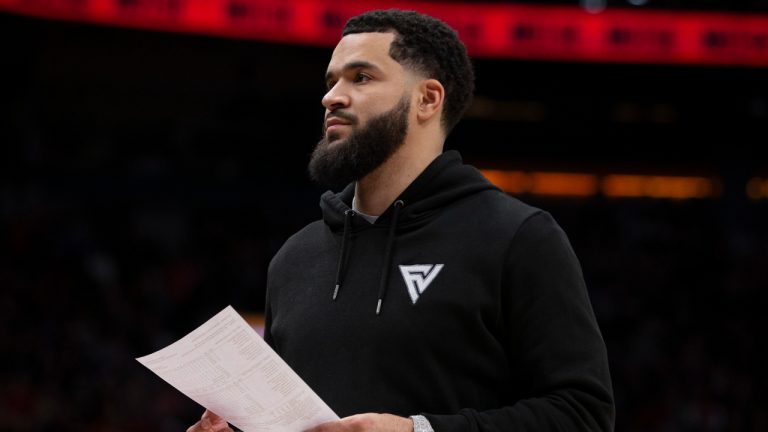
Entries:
{"x":375,"y":192}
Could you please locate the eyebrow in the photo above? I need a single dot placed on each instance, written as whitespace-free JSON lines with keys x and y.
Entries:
{"x":358,"y":64}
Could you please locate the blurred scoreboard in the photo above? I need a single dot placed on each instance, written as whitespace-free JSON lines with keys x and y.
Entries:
{"x":490,"y":30}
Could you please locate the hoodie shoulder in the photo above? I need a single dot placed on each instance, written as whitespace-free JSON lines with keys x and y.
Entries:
{"x":502,"y":209}
{"x":306,"y":241}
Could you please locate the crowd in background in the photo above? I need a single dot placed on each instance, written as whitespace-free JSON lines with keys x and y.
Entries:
{"x":88,"y":284}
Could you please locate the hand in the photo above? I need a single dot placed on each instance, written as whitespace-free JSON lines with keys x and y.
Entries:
{"x":210,"y":422}
{"x":369,"y":422}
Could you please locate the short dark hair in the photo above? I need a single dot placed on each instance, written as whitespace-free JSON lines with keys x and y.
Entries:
{"x":428,"y":46}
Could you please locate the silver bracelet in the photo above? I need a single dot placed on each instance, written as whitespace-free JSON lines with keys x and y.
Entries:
{"x":421,"y":424}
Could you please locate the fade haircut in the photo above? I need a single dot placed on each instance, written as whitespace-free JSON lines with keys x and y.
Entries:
{"x":429,"y":47}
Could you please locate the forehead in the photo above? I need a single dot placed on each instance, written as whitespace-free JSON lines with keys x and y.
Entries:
{"x":363,"y":47}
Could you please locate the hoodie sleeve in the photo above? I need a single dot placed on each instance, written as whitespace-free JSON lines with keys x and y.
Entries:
{"x":268,"y":324}
{"x":557,"y":355}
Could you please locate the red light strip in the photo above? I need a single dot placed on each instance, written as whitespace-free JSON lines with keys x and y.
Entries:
{"x":514,"y":31}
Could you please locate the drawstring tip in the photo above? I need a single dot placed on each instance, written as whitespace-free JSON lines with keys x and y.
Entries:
{"x":336,"y":291}
{"x":378,"y":307}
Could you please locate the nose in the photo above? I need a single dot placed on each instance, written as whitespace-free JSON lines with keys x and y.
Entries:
{"x":335,"y":98}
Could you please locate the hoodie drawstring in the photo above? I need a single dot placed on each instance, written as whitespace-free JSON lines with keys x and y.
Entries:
{"x":342,"y":253}
{"x":388,"y":254}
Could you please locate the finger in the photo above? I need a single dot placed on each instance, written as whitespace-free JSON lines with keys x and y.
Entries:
{"x":331,"y":426}
{"x":210,"y":422}
{"x":200,"y":426}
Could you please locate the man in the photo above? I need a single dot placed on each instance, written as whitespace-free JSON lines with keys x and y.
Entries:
{"x":425,"y":293}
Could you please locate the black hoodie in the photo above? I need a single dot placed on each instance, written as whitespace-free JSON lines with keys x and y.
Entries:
{"x":460,"y":303}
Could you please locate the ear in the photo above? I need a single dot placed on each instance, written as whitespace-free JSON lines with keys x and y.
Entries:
{"x":431,"y":95}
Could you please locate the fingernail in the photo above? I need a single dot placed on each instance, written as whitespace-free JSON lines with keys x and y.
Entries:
{"x":205,"y":424}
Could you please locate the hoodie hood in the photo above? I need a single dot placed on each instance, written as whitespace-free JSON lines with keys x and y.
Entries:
{"x":444,"y":181}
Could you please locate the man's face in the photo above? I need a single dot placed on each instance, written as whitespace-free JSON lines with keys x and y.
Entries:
{"x":366,"y":110}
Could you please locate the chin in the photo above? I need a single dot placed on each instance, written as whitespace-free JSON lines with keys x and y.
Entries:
{"x":334,"y":139}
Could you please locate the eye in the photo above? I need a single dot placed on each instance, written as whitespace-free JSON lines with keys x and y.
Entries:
{"x":362,"y":78}
{"x":329,"y":84}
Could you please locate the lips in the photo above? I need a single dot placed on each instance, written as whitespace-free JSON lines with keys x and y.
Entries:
{"x":335,"y":121}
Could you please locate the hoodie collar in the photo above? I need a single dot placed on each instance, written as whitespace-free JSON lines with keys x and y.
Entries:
{"x":444,"y":181}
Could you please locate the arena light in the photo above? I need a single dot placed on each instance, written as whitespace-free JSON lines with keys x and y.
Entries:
{"x":544,"y":183}
{"x":514,"y":182}
{"x":757,"y":188}
{"x":563,"y":184}
{"x":611,"y":185}
{"x":670,"y":187}
{"x":493,"y":30}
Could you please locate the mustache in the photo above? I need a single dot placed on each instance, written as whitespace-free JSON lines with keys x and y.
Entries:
{"x":348,"y":117}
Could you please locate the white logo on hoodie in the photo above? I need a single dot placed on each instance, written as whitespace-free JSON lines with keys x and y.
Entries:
{"x":418,"y":277}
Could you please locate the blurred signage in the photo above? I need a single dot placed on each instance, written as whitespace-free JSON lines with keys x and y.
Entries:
{"x":515,"y":31}
{"x":568,"y":184}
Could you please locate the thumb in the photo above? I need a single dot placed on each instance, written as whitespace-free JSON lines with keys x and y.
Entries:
{"x":210,"y":416}
{"x":210,"y":421}
{"x":205,"y":424}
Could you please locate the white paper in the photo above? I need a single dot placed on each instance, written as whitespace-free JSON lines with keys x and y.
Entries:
{"x":226,"y":367}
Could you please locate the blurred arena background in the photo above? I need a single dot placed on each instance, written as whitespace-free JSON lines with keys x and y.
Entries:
{"x":152,"y":162}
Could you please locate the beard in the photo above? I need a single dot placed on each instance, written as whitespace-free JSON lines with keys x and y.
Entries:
{"x":335,"y":164}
